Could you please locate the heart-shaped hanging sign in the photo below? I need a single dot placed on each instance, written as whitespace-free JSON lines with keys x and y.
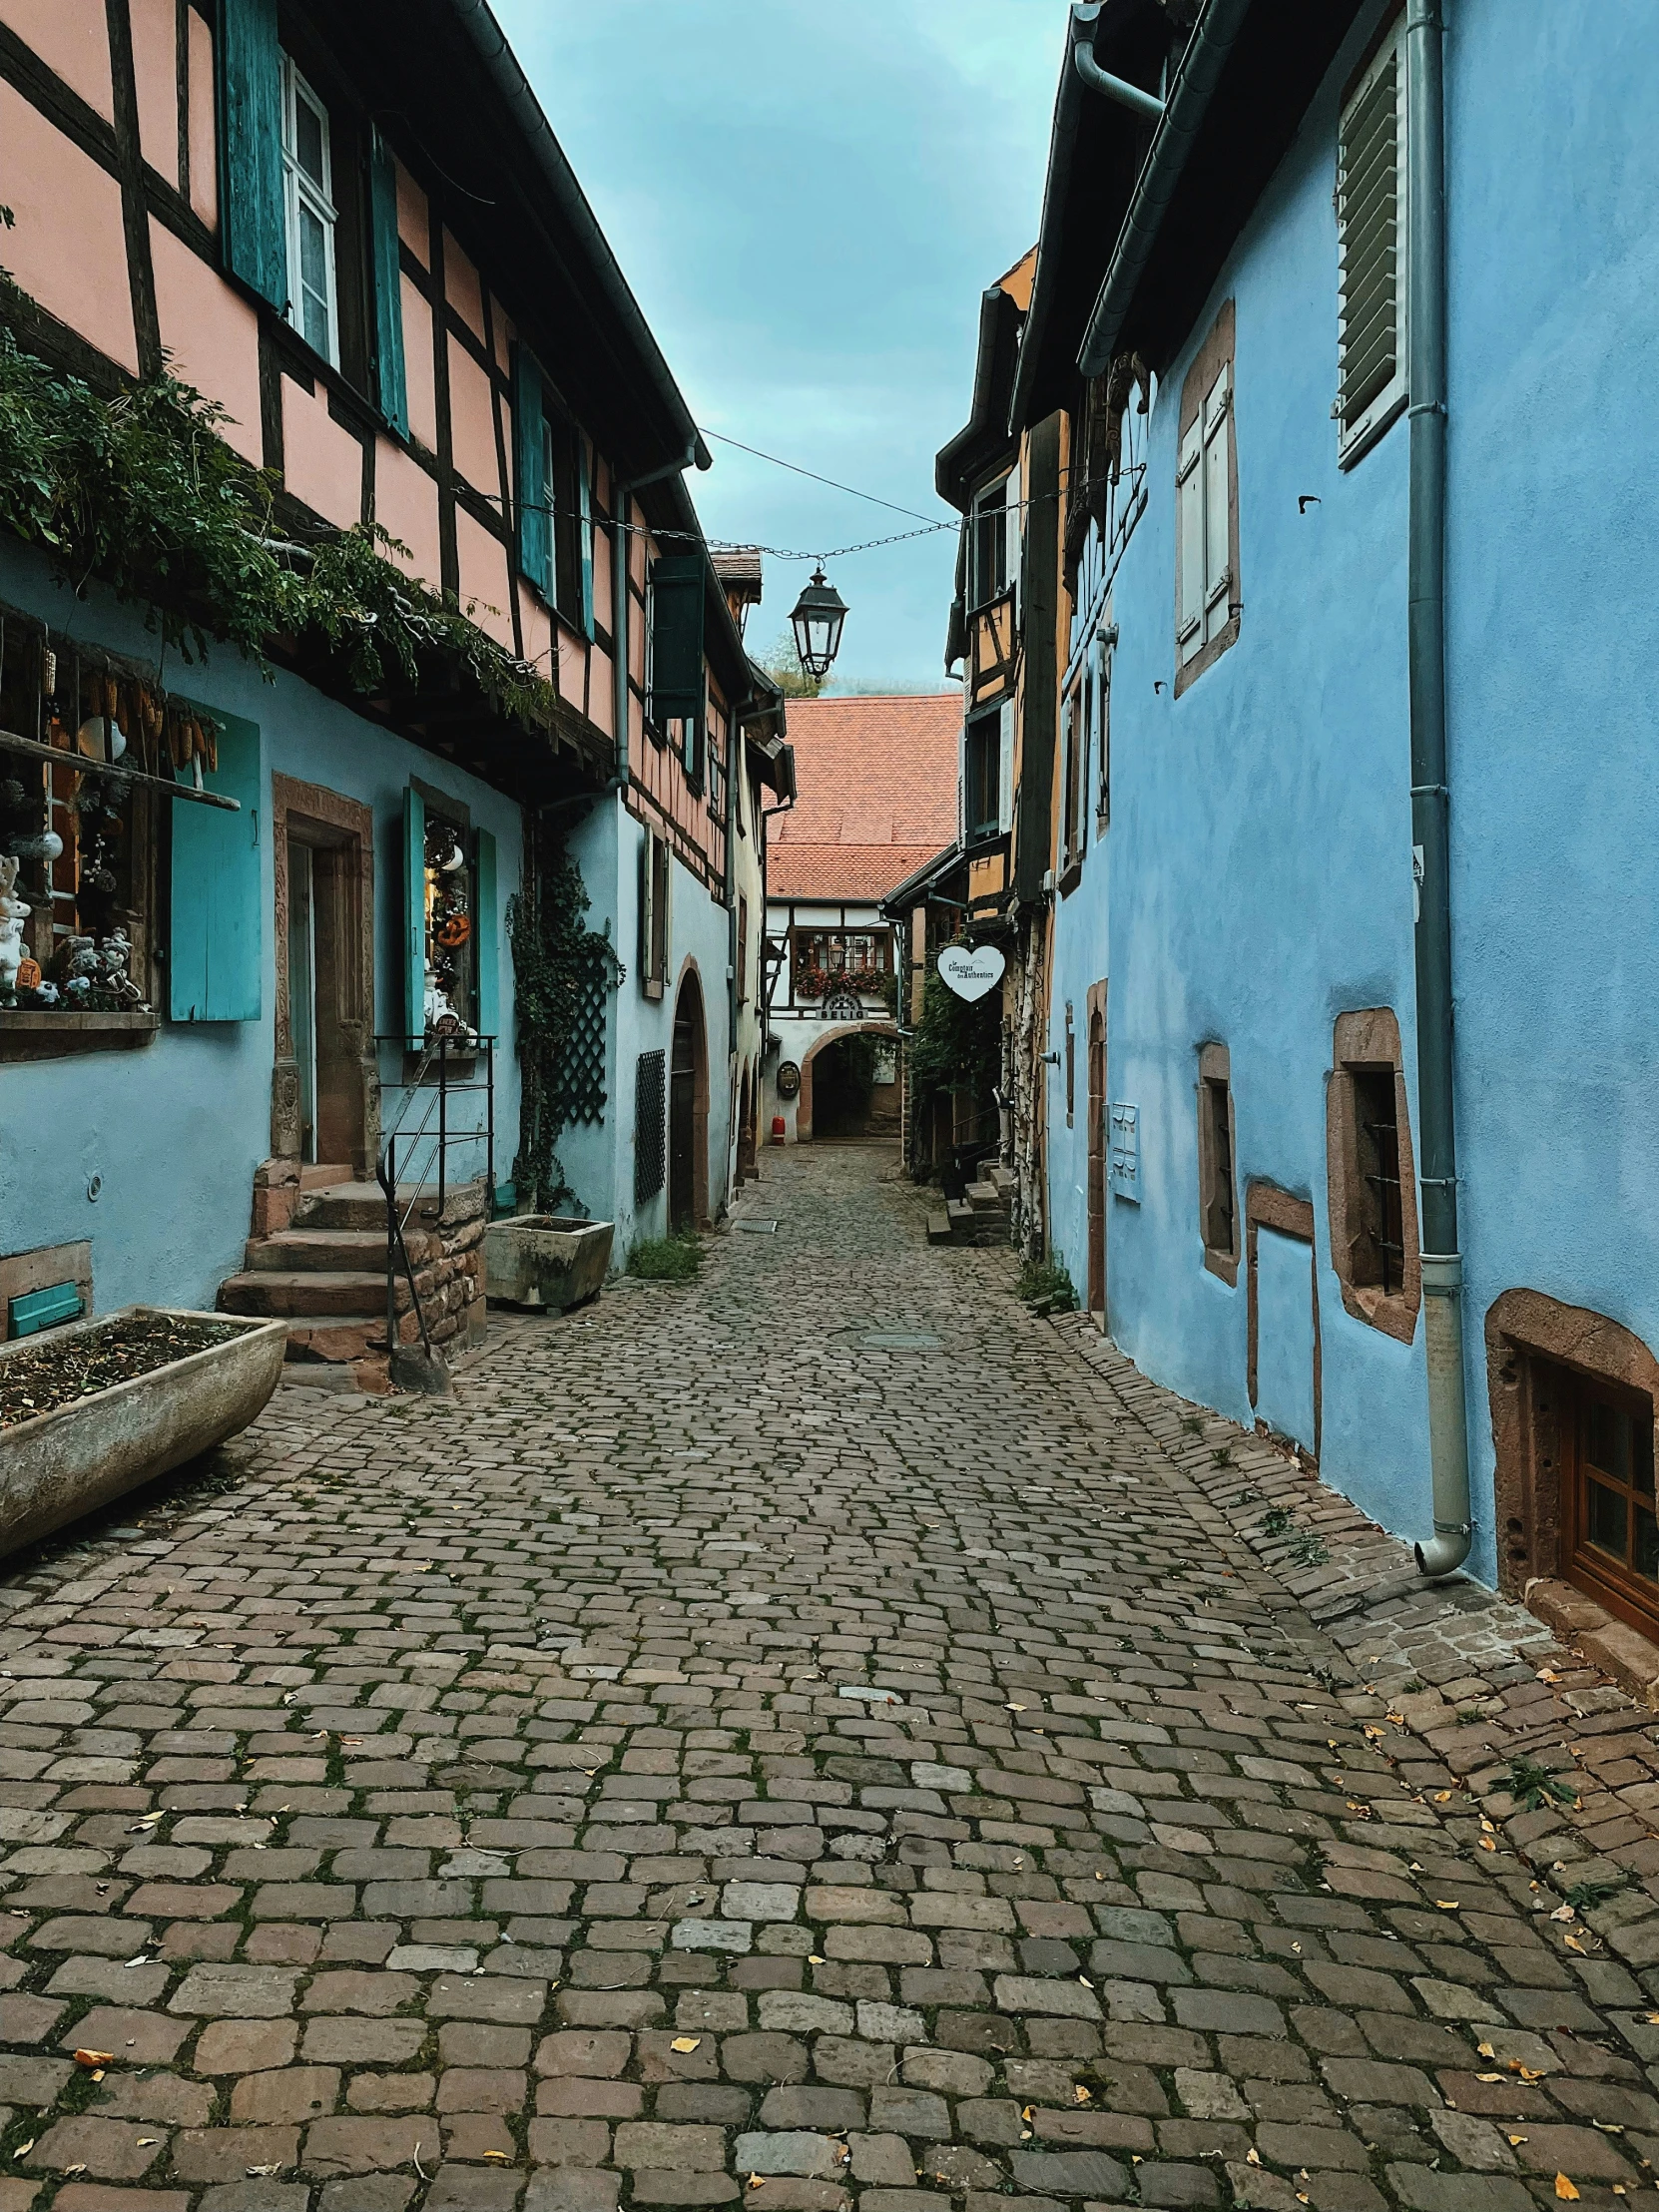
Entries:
{"x":972,"y":974}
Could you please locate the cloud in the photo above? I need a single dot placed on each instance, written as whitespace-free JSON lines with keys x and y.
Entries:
{"x":808,"y":202}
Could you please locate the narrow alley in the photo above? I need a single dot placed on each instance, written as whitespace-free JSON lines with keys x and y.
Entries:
{"x":788,"y":1736}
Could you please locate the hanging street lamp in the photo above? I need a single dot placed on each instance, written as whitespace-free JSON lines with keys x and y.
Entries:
{"x":817,"y":618}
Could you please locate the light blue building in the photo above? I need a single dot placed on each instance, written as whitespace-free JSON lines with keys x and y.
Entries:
{"x":1340,"y":449}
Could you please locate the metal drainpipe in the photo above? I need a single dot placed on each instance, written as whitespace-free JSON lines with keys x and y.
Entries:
{"x":1442,"y":1264}
{"x":1144,"y":104}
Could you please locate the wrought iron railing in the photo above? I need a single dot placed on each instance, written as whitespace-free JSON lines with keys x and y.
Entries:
{"x":416,"y":1156}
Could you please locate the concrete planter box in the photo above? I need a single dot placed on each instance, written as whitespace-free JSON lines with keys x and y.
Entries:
{"x":546,"y":1262}
{"x":77,"y":1457}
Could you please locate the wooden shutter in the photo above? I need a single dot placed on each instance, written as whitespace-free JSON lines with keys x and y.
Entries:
{"x":215,"y":954}
{"x":1370,"y":250}
{"x":486,"y":938}
{"x":414,"y":918}
{"x":584,"y":499}
{"x":1189,"y":515}
{"x":1006,"y":766}
{"x":676,"y":680}
{"x":251,"y":148}
{"x":389,"y":292}
{"x":1217,"y":435}
{"x":535,"y":534}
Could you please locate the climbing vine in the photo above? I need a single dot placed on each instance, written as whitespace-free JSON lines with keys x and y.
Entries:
{"x":955,"y":1046}
{"x":563,"y":976}
{"x":141,"y":491}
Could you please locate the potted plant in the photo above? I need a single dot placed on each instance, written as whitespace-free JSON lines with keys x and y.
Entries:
{"x":90,"y":1410}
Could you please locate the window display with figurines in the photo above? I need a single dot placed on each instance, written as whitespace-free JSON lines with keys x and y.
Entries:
{"x":452,"y":948}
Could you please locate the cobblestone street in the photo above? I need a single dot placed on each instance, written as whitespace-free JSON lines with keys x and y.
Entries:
{"x":793,"y":1739}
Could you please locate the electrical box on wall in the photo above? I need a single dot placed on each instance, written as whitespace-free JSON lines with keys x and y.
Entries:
{"x":1124,"y":1138}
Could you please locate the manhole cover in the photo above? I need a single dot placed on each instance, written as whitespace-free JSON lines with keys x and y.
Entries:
{"x":756,"y":1228}
{"x":901,"y":1339}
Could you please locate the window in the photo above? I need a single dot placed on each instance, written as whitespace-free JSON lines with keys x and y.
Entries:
{"x":991,"y":544}
{"x":1218,"y":1207}
{"x":717,"y":728}
{"x":655,"y":879}
{"x":1612,"y":1513}
{"x":1103,"y":726}
{"x":567,"y":581}
{"x":676,"y":683}
{"x":447,"y":903}
{"x":1370,"y":252}
{"x":1075,"y":740}
{"x":1207,"y":602}
{"x":848,"y":959}
{"x":309,"y":215}
{"x":1374,"y":1228}
{"x":743,"y":950}
{"x":987,"y":773}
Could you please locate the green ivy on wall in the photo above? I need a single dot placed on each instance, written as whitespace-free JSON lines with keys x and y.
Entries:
{"x":141,"y":491}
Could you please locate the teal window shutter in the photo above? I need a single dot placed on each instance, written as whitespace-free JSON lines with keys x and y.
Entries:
{"x":535,"y":535}
{"x":584,"y":496}
{"x":388,"y":288}
{"x":486,"y":936}
{"x":251,"y":148}
{"x":677,"y":639}
{"x":214,"y":948}
{"x":414,"y":918}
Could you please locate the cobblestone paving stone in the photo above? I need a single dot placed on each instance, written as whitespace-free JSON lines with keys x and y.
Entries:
{"x":723,"y":1759}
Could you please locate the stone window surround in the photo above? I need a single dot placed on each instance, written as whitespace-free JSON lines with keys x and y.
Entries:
{"x":1215,"y":1066}
{"x":1216,"y":354}
{"x":1369,"y":1039}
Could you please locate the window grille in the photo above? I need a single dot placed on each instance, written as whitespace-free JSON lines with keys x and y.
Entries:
{"x":1376,"y":1124}
{"x":650,"y":1126}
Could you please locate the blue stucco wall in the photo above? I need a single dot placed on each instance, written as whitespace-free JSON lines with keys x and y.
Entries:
{"x":175,"y":1130}
{"x":1256,"y":879}
{"x":1553,"y":539}
{"x":598,"y":1157}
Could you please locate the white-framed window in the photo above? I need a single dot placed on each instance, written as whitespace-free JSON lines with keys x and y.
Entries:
{"x":309,"y":215}
{"x":1204,"y":482}
{"x":1370,"y":252}
{"x":994,"y":539}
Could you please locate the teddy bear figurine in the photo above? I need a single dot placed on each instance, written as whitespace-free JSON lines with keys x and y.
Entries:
{"x":13,"y":915}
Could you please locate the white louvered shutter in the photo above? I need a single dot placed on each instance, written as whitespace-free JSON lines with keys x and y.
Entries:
{"x":1190,"y":494}
{"x":1218,"y":433}
{"x":1371,"y":248}
{"x":1005,"y":768}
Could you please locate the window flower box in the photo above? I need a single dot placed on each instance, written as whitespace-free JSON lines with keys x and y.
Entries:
{"x":80,"y":1453}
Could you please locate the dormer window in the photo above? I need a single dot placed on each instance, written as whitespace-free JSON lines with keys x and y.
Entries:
{"x":309,"y":215}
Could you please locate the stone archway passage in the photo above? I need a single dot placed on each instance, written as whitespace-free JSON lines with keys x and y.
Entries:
{"x":821,"y":1062}
{"x":687,"y":1110}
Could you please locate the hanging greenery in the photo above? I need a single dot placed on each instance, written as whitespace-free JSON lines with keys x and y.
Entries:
{"x":141,"y":491}
{"x":563,"y":976}
{"x":955,"y":1046}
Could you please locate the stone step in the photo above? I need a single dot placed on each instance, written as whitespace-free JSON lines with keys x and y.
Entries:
{"x":985,"y":1197}
{"x":316,"y":1176}
{"x":343,"y":1206}
{"x":303,"y":1293}
{"x":342,"y":1340}
{"x":317,"y":1251}
{"x":939,"y":1225}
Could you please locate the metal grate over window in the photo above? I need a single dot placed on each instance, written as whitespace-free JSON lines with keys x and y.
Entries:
{"x":650,"y":1126}
{"x":1378,"y":1125}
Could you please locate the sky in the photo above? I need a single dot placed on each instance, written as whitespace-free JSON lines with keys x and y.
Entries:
{"x":808,"y":198}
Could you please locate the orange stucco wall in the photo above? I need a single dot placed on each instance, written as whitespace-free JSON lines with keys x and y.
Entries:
{"x":413,"y":226}
{"x":67,"y":249}
{"x":406,"y":505}
{"x":483,"y":562}
{"x":204,"y":172}
{"x":74,"y":40}
{"x":472,"y":422}
{"x":418,"y":380}
{"x":213,"y":335}
{"x":321,"y":463}
{"x":461,"y":284}
{"x":155,"y":68}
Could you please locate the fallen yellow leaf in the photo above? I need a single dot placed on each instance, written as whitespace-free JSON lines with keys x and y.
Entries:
{"x":1566,"y":2190}
{"x":94,"y":2058}
{"x":1080,"y":2094}
{"x":1448,"y":1905}
{"x":685,"y":2042}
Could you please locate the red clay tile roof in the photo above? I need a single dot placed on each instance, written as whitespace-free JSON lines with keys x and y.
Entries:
{"x":876,"y":780}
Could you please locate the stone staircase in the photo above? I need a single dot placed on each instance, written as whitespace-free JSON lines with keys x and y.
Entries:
{"x":983,"y":1215}
{"x":321,"y":1266}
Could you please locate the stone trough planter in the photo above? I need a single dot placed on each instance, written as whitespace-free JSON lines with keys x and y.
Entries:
{"x":546,"y":1262}
{"x":76,"y":1458}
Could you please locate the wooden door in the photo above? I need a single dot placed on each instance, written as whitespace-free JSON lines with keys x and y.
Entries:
{"x":1610,"y":1521}
{"x":1097,"y":1162}
{"x":682,"y":1102}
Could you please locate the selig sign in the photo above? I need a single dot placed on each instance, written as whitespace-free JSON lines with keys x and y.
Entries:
{"x":972,"y":974}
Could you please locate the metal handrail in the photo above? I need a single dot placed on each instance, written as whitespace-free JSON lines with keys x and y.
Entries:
{"x":439,"y":1141}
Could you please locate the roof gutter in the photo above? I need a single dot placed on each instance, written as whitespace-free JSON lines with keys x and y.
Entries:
{"x":1068,"y":103}
{"x":573,"y":213}
{"x":1115,"y":88}
{"x":1178,"y":126}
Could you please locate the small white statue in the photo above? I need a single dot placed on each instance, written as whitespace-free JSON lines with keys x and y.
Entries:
{"x":13,"y":915}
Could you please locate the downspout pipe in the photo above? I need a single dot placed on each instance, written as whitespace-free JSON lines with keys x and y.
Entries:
{"x":1126,"y":95}
{"x":1426,"y":343}
{"x":1182,"y":115}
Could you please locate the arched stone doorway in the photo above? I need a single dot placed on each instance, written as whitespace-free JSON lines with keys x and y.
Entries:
{"x":746,"y":1163}
{"x":687,"y":1110}
{"x":839,"y":1096}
